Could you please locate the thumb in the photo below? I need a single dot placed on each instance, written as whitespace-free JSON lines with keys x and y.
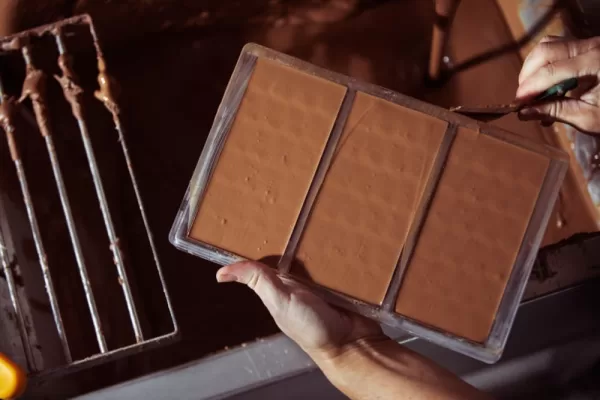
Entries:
{"x":262,"y":280}
{"x":577,"y":113}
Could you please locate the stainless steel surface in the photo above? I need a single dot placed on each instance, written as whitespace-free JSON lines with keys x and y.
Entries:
{"x":276,"y":368}
{"x":581,"y":250}
{"x":272,"y":367}
{"x":565,"y":263}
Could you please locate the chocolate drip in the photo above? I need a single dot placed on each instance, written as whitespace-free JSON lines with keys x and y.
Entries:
{"x":108,"y":88}
{"x":7,"y":111}
{"x":71,"y":90}
{"x":34,"y":87}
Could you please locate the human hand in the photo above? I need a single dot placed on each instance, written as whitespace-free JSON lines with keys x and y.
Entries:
{"x":351,"y":350}
{"x":318,"y":328}
{"x":552,"y":61}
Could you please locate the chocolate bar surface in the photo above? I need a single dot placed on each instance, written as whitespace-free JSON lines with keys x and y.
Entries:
{"x":473,"y":232}
{"x":366,"y":205}
{"x":268,"y":160}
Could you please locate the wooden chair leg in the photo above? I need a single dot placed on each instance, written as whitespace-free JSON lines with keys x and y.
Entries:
{"x":445,"y":11}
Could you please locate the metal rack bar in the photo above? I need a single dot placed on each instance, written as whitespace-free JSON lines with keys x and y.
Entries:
{"x":72,"y":94}
{"x":7,"y":105}
{"x":106,"y":96}
{"x":24,"y":44}
{"x":8,"y":266}
{"x":36,"y":93}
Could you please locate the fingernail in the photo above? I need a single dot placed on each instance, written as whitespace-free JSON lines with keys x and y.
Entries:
{"x":528,"y":111}
{"x":527,"y":114}
{"x":223,"y":278}
{"x":523,"y":91}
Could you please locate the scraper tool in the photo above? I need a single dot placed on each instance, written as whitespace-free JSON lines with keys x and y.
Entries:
{"x":492,"y":112}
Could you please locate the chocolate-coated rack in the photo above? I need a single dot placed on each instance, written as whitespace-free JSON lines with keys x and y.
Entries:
{"x":34,"y":90}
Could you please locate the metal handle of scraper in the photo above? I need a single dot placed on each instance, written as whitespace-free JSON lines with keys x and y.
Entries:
{"x":556,"y":91}
{"x":12,"y":379}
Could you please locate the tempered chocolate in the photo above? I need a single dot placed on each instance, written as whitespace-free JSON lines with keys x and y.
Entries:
{"x":473,"y":231}
{"x":365,"y":207}
{"x":72,"y":91}
{"x":448,"y":240}
{"x":34,"y":88}
{"x":267,"y":163}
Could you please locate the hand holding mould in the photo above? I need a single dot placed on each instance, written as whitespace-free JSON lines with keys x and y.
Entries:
{"x":351,"y":350}
{"x":554,"y":60}
{"x":303,"y":316}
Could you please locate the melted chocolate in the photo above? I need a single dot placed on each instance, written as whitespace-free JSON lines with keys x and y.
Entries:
{"x":71,"y":90}
{"x":34,"y":87}
{"x":15,"y":42}
{"x":7,"y":111}
{"x":384,"y":158}
{"x":108,"y":88}
{"x":472,"y":235}
{"x":269,"y":158}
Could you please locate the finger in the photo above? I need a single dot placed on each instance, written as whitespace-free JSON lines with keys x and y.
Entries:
{"x":556,"y":72}
{"x":533,"y":53}
{"x":536,"y":56}
{"x":262,"y":280}
{"x":585,"y":84}
{"x":552,"y":49}
{"x":579,"y":114}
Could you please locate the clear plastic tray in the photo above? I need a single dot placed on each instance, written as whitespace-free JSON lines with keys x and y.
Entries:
{"x":488,"y":351}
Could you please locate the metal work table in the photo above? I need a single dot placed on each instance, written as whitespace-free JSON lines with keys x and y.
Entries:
{"x":273,"y":367}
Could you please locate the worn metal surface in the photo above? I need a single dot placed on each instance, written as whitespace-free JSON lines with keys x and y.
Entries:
{"x":277,"y":368}
{"x":265,"y":369}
